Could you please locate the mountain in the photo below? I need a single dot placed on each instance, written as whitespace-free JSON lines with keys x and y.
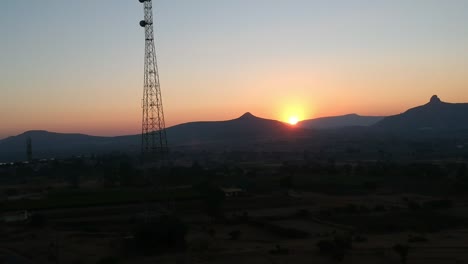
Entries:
{"x":434,"y":116}
{"x":242,"y":131}
{"x":245,"y":128}
{"x":248,"y":131}
{"x":340,"y":121}
{"x":51,"y":144}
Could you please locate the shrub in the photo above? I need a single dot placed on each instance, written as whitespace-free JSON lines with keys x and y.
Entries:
{"x":336,"y":248}
{"x":417,"y":239}
{"x":438,"y":204}
{"x":108,"y":260}
{"x":325,"y":246}
{"x":279,"y":251}
{"x":360,"y":239}
{"x":37,"y":220}
{"x":402,"y":251}
{"x":302,"y":213}
{"x":234,"y":235}
{"x":160,"y":236}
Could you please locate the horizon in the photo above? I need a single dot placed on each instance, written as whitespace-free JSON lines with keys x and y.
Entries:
{"x":274,"y":59}
{"x":287,"y":122}
{"x":116,"y":135}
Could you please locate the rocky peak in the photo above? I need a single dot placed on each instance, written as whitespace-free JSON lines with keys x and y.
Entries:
{"x":247,"y":115}
{"x":435,"y":100}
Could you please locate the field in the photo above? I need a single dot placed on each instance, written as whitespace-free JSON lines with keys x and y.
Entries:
{"x":269,"y":235}
{"x":286,"y":214}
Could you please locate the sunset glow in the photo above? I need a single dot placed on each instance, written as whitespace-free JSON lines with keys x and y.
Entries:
{"x":217,"y":71}
{"x":293,"y":120}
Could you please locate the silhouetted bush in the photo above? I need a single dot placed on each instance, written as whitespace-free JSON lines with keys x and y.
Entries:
{"x":344,"y":242}
{"x":213,"y":198}
{"x":245,"y":216}
{"x":280,"y":230}
{"x":325,"y":247}
{"x":379,"y":208}
{"x":371,"y":186}
{"x":37,"y":220}
{"x":302,"y":213}
{"x":413,"y":206}
{"x":360,"y":239}
{"x":417,"y":239}
{"x":166,"y":234}
{"x":11,"y":192}
{"x":438,"y":204}
{"x":351,"y":209}
{"x":279,"y":251}
{"x":108,"y":260}
{"x":336,"y":248}
{"x":211,"y":231}
{"x":402,"y":251}
{"x":287,"y":182}
{"x":419,"y":221}
{"x":324,"y":212}
{"x":235,"y":234}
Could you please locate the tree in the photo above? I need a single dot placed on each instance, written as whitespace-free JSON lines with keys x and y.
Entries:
{"x":37,"y":220}
{"x":11,"y":192}
{"x":336,"y":248}
{"x":402,"y":251}
{"x":235,"y":234}
{"x":213,"y":198}
{"x":461,"y":171}
{"x":126,"y":173}
{"x":287,"y":182}
{"x":162,"y":235}
{"x":108,"y":260}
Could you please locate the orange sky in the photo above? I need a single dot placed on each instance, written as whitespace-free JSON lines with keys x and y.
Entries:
{"x":218,"y":60}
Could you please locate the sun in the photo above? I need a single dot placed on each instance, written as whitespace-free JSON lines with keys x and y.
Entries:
{"x":293,"y":120}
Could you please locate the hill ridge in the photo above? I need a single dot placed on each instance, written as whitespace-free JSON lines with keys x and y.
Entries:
{"x":434,"y":115}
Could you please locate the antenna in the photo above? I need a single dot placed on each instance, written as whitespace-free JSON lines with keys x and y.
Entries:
{"x":153,"y":135}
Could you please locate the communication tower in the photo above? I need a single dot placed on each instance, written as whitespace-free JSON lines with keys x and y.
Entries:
{"x":153,"y":138}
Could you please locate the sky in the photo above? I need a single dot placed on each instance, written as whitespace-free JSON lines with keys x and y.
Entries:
{"x":77,"y":66}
